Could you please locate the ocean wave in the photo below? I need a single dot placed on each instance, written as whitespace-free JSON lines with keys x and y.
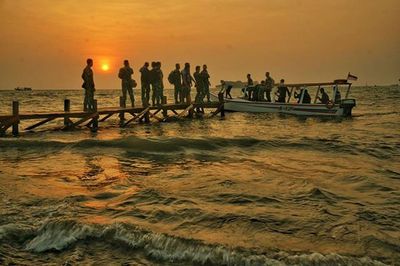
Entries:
{"x":62,"y":234}
{"x":167,"y":145}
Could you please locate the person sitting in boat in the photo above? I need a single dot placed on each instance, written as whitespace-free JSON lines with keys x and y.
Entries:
{"x":324,"y":99}
{"x":306,"y":96}
{"x":260,"y":91}
{"x":282,"y":91}
{"x":298,"y":95}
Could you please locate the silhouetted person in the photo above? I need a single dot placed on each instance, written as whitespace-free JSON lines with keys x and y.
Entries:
{"x":145,"y":80}
{"x":199,"y":85}
{"x":260,"y":91}
{"x":175,"y":79}
{"x":152,"y":82}
{"x":324,"y":98}
{"x":306,"y":97}
{"x":250,"y":89}
{"x":269,"y":84}
{"x":249,"y":80}
{"x":298,"y":95}
{"x":187,"y":81}
{"x":206,"y":83}
{"x":158,"y":83}
{"x":125,"y":74}
{"x":228,"y":91}
{"x":282,"y":91}
{"x":88,"y":85}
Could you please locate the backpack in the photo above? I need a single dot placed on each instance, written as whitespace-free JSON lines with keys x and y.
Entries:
{"x":171,"y":77}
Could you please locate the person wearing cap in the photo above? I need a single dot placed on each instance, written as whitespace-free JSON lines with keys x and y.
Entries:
{"x":125,"y":74}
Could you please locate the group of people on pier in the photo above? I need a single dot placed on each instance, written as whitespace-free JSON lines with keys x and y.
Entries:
{"x":152,"y":80}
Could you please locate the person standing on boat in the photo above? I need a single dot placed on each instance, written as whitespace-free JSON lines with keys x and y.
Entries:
{"x":250,"y":89}
{"x":282,"y":91}
{"x":324,"y":99}
{"x":88,"y":85}
{"x":187,"y":81}
{"x":125,"y":74}
{"x":175,"y":79}
{"x":269,"y":84}
{"x":206,"y":83}
{"x":199,"y":85}
{"x":145,"y":80}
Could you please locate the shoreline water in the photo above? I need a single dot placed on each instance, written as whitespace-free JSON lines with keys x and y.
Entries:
{"x":252,"y":188}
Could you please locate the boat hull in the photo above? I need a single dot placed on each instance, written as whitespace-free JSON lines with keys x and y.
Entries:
{"x":337,"y":110}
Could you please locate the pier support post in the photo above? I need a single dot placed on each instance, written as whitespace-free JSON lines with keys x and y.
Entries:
{"x":121,"y":114}
{"x":67,"y":109}
{"x":146,"y":115}
{"x":164,"y":101}
{"x":221,"y":102}
{"x":95,"y":123}
{"x":15,"y":113}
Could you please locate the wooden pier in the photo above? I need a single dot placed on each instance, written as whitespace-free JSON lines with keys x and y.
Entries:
{"x":91,"y":119}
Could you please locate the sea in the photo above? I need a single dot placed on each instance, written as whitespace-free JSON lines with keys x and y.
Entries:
{"x":247,"y":189}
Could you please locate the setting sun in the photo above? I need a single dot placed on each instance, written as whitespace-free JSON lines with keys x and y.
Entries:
{"x":105,"y":67}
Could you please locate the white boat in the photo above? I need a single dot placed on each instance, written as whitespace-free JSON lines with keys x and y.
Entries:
{"x":334,"y":108}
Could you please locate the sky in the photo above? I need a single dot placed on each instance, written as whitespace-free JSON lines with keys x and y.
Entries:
{"x":45,"y":43}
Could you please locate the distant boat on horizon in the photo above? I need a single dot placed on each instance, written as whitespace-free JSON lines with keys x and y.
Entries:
{"x":23,"y":89}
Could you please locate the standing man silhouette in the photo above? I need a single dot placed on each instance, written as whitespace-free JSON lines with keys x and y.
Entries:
{"x":206,"y":83}
{"x":187,"y":81}
{"x":88,"y":86}
{"x":145,"y":80}
{"x":125,"y":74}
{"x":269,"y":84}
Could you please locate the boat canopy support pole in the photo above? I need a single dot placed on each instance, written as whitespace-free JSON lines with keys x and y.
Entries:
{"x":348,"y":91}
{"x":317,"y":94}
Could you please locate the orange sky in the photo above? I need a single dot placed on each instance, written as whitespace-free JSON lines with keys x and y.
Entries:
{"x":44,"y":43}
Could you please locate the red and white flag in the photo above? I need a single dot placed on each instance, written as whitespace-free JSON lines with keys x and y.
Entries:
{"x":351,"y":77}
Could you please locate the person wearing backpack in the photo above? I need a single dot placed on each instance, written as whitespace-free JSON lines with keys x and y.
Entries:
{"x":175,"y":79}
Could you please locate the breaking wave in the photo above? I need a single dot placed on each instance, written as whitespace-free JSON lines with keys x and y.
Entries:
{"x":59,"y":235}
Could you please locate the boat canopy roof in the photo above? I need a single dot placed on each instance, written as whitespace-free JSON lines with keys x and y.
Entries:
{"x":335,"y":82}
